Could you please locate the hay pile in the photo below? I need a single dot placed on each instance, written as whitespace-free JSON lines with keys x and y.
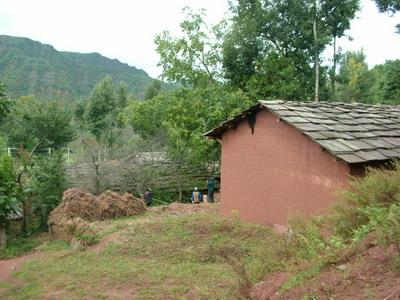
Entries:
{"x":77,"y":209}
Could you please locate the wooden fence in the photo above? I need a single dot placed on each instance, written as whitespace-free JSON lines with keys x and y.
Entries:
{"x":135,"y":174}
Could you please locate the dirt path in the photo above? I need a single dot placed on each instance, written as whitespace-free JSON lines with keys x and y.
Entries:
{"x":9,"y":266}
{"x":105,"y":240}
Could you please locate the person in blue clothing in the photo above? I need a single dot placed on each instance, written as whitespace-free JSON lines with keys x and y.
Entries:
{"x":210,"y":189}
{"x":197,"y":197}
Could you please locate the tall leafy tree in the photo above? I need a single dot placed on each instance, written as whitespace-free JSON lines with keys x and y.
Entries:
{"x":102,"y":104}
{"x":153,"y":89}
{"x":47,"y":182}
{"x":194,"y":58}
{"x":243,"y":44}
{"x":265,"y":33}
{"x":8,"y":199}
{"x":105,"y":104}
{"x":34,"y":125}
{"x":337,"y":15}
{"x":354,"y":78}
{"x":5,"y":103}
{"x":391,"y":86}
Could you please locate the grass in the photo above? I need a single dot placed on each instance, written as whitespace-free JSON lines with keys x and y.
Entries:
{"x":17,"y":246}
{"x":205,"y":256}
{"x":153,"y":257}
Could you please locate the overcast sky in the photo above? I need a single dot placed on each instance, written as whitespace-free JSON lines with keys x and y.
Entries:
{"x":125,"y":29}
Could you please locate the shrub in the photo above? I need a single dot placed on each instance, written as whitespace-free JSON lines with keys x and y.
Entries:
{"x":365,"y":204}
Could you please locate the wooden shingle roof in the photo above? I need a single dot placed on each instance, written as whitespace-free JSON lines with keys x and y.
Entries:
{"x":353,"y":132}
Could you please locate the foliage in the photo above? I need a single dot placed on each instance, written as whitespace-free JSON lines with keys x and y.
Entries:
{"x":18,"y":245}
{"x":104,"y":106}
{"x":388,"y":5}
{"x":182,"y":116}
{"x":273,"y":42}
{"x":391,"y":81}
{"x":194,"y":58}
{"x":306,"y":240}
{"x":354,"y":78}
{"x":367,"y":203}
{"x":46,"y":183}
{"x":8,"y":200}
{"x":29,"y":67}
{"x":357,"y":83}
{"x":391,"y":6}
{"x":5,"y":103}
{"x":153,"y":89}
{"x":87,"y":238}
{"x":33,"y":123}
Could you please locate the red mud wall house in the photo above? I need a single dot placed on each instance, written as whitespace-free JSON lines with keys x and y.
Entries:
{"x":274,"y":169}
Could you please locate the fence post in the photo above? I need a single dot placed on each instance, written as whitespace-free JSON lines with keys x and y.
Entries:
{"x":9,"y":151}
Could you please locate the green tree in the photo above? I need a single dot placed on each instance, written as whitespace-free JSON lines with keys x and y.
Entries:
{"x":104,"y":108}
{"x":33,"y":125}
{"x":46,"y":184}
{"x":102,"y":104}
{"x":388,"y":5}
{"x":391,"y":86}
{"x":8,"y":199}
{"x":265,"y":33}
{"x":153,"y":89}
{"x":193,"y":59}
{"x":5,"y":103}
{"x":243,"y":44}
{"x":182,"y":116}
{"x":337,"y":15}
{"x":354,"y":78}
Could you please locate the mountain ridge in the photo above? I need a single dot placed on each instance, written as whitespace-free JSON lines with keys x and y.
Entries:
{"x":31,"y":67}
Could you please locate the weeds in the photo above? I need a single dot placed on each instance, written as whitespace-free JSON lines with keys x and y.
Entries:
{"x":18,"y":245}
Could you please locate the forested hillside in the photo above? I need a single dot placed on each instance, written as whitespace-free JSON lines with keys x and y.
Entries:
{"x":30,"y":67}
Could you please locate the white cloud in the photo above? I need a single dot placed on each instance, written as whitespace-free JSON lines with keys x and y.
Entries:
{"x":375,"y":33}
{"x":125,"y":29}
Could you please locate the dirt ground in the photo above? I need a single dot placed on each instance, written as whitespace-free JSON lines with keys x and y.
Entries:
{"x":9,"y":266}
{"x":176,"y":208}
{"x":368,"y":275}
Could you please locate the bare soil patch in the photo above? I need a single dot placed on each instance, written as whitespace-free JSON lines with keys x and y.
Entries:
{"x":367,"y":275}
{"x":9,"y":266}
{"x":176,"y":208}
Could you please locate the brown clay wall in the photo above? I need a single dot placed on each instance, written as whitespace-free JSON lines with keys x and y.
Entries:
{"x":275,"y":172}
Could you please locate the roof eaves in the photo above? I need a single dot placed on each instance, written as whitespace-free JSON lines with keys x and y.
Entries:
{"x":217,"y":132}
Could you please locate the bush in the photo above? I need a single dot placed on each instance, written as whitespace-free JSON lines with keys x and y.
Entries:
{"x":365,"y":205}
{"x":47,"y":183}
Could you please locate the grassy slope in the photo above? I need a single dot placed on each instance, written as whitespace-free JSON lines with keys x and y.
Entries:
{"x":150,"y":257}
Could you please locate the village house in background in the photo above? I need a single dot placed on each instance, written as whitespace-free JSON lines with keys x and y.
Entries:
{"x":280,"y":158}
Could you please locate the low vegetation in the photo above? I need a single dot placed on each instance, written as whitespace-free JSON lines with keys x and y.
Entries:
{"x":156,"y":255}
{"x":179,"y":252}
{"x":364,"y":223}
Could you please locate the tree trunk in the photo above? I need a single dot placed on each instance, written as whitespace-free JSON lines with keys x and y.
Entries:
{"x":3,"y":240}
{"x":316,"y":55}
{"x":24,"y":224}
{"x":97,"y":180}
{"x":333,"y":78}
{"x":178,"y":181}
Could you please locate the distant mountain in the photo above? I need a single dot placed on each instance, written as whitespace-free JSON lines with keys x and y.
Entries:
{"x":30,"y":67}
